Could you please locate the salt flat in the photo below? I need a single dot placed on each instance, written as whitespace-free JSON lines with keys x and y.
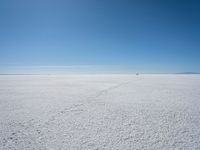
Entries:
{"x":90,"y":112}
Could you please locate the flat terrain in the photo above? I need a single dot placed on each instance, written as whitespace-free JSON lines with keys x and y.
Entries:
{"x":97,"y":112}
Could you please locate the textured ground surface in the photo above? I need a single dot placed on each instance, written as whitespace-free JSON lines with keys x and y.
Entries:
{"x":100,"y":112}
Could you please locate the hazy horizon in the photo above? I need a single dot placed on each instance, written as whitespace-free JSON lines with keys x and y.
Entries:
{"x":83,"y":69}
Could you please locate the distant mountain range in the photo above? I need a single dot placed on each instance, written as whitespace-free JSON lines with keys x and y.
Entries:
{"x":136,"y":73}
{"x":188,"y":73}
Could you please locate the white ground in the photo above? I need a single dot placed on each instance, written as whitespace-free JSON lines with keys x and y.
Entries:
{"x":100,"y":112}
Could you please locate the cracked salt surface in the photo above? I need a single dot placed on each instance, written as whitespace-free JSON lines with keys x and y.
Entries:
{"x":86,"y":112}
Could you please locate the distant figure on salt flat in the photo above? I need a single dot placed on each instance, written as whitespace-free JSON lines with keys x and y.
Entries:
{"x":137,"y":74}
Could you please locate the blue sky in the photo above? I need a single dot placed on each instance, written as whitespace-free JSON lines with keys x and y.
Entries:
{"x":150,"y":36}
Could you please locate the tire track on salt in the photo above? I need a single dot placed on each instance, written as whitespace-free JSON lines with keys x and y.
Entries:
{"x":33,"y":124}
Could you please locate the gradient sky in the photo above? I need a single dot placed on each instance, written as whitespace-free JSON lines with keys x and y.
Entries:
{"x":160,"y":36}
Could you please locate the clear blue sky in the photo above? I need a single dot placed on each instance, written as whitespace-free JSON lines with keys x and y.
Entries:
{"x":124,"y":35}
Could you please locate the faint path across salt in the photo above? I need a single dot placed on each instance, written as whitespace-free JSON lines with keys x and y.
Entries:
{"x":100,"y":112}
